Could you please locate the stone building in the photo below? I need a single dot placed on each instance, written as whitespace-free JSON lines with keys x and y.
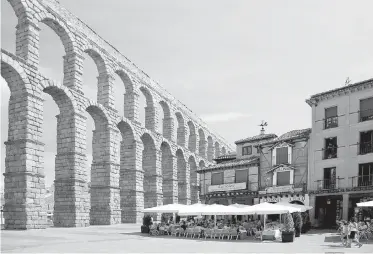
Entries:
{"x":133,"y":166}
{"x":234,"y":179}
{"x":341,"y":154}
{"x":283,"y":168}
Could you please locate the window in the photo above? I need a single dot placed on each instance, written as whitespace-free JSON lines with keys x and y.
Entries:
{"x":329,"y":180}
{"x":247,"y":150}
{"x":366,"y":110}
{"x":241,"y":176}
{"x":283,"y":178}
{"x":217,"y":178}
{"x":282,"y":155}
{"x":331,"y":118}
{"x":330,"y":149}
{"x":366,"y":142}
{"x":365,"y":177}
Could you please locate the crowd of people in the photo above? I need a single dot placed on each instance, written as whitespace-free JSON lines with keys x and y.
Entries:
{"x":351,"y":230}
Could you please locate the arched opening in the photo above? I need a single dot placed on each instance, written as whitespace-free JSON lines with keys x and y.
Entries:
{"x":149,"y":121}
{"x":169,"y":175}
{"x":217,"y":149}
{"x":182,"y":178}
{"x":296,"y":202}
{"x":122,"y":88}
{"x":202,"y":178}
{"x":130,"y":197}
{"x":102,"y":196}
{"x":180,"y":136}
{"x":223,"y":151}
{"x":192,"y":140}
{"x":152,"y":185}
{"x":94,"y":85}
{"x":210,"y":149}
{"x":54,"y":51}
{"x":202,"y":143}
{"x":194,"y":181}
{"x":167,"y":121}
{"x":8,"y":36}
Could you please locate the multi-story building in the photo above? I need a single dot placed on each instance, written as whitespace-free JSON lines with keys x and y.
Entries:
{"x":283,"y":168}
{"x":234,"y":179}
{"x":341,"y":153}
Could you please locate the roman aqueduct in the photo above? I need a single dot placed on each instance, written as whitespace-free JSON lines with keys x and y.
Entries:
{"x":133,"y":167}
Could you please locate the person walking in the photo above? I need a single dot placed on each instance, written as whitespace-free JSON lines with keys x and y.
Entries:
{"x":353,"y":233}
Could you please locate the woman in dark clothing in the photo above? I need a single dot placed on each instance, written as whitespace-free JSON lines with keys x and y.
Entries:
{"x":184,"y":226}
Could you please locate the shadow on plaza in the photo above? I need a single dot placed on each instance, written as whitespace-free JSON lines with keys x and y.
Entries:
{"x":334,"y":241}
{"x":202,"y":239}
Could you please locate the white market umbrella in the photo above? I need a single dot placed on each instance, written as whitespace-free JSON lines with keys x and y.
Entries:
{"x":302,"y":207}
{"x":190,"y":210}
{"x":239,"y":205}
{"x":217,"y":209}
{"x":268,"y":208}
{"x":170,"y":208}
{"x":365,"y":204}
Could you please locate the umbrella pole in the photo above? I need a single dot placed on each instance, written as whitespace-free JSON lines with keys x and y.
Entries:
{"x":215,"y":219}
{"x":264,"y":226}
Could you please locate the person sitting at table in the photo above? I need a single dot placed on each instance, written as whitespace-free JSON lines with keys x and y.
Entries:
{"x":184,"y":226}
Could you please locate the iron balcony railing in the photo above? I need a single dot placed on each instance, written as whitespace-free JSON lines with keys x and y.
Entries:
{"x":331,"y":122}
{"x":366,"y":115}
{"x":330,"y":153}
{"x":361,"y":181}
{"x":365,"y":147}
{"x":328,"y":184}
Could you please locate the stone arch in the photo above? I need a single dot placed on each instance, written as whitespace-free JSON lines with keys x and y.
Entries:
{"x":210,"y":149}
{"x":223,"y":150}
{"x":126,"y":79}
{"x":217,"y":149}
{"x":98,"y":59}
{"x":192,"y":140}
{"x":129,"y":175}
{"x":20,"y":9}
{"x":150,"y":120}
{"x":167,"y":128}
{"x":169,"y":174}
{"x":14,"y":75}
{"x":202,"y":143}
{"x":71,"y":187}
{"x":182,"y":177}
{"x":180,"y":136}
{"x":201,"y":164}
{"x":152,"y":175}
{"x":130,"y":98}
{"x":194,"y":180}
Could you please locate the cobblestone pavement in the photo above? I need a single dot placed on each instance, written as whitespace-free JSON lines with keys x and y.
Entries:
{"x":126,"y":238}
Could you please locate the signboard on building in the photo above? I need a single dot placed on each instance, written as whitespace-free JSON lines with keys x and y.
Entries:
{"x":280,"y":189}
{"x":285,"y":198}
{"x":227,"y":187}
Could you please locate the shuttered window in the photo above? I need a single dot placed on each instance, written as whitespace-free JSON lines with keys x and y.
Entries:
{"x":247,"y":150}
{"x":281,"y":155}
{"x":366,"y":109}
{"x":217,"y":178}
{"x":331,"y":112}
{"x":283,"y":178}
{"x":241,"y":176}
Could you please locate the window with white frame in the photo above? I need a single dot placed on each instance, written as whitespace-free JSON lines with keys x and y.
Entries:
{"x":282,"y":155}
{"x":282,"y":177}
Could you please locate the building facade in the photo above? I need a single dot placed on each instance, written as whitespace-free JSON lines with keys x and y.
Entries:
{"x":283,"y":168}
{"x":341,"y":154}
{"x":235,"y":177}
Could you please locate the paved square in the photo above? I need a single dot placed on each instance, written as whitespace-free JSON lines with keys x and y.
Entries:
{"x":125,"y":238}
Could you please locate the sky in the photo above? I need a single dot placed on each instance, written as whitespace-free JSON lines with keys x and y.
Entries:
{"x":233,"y":63}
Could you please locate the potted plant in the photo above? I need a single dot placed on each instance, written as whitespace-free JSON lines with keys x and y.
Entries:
{"x":288,"y":229}
{"x":297,"y":217}
{"x":146,"y":222}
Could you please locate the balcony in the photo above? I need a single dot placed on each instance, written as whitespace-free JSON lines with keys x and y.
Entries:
{"x":361,"y":181}
{"x":366,"y":115}
{"x":328,"y":184}
{"x":272,"y":189}
{"x":365,"y":147}
{"x":329,"y":153}
{"x":331,"y":122}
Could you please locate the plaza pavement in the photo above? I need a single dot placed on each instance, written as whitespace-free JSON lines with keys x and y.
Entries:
{"x":125,"y":238}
